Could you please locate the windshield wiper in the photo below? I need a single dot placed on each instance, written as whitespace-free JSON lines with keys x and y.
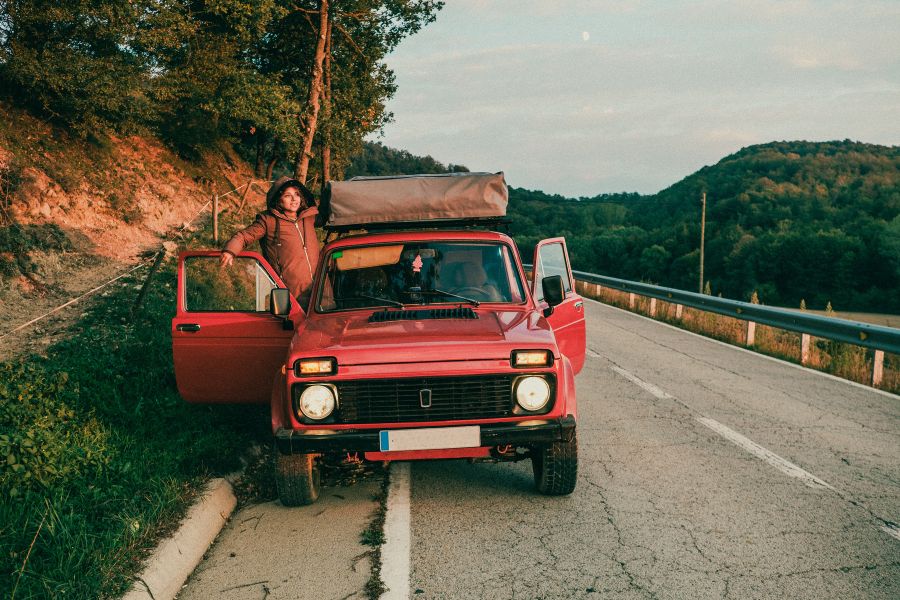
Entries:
{"x":375,"y":298}
{"x":451,"y":295}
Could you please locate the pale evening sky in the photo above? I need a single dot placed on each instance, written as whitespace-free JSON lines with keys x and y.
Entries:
{"x":585,"y":97}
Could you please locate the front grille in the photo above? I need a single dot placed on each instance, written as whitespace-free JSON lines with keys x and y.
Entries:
{"x":400,"y":400}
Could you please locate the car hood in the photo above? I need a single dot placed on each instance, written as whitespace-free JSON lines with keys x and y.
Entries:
{"x":355,"y":341}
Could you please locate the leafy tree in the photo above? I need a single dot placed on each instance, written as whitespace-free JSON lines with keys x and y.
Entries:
{"x":83,"y":62}
{"x":791,"y":220}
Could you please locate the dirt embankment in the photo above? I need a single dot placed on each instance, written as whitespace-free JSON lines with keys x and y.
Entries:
{"x":75,"y":213}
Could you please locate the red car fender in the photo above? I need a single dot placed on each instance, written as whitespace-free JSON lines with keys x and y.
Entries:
{"x":567,"y":387}
{"x":278,"y":403}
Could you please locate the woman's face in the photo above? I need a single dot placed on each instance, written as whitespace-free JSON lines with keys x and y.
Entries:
{"x":290,"y":201}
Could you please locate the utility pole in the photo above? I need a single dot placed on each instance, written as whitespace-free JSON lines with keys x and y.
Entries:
{"x":702,"y":236}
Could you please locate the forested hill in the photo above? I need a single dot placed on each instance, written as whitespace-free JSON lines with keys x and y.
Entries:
{"x":792,"y":221}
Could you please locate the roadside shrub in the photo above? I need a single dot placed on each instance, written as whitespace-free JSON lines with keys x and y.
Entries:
{"x":16,"y":241}
{"x":10,"y":180}
{"x":99,"y":456}
{"x":43,"y":439}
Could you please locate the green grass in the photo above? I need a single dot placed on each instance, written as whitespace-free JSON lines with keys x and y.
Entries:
{"x":99,"y":456}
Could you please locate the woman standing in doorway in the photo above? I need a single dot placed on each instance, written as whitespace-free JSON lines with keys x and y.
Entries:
{"x":287,"y":235}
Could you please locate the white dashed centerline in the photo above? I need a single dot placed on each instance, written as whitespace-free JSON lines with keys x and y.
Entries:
{"x":743,"y":442}
{"x":748,"y":445}
{"x":646,"y":386}
{"x":783,"y":465}
{"x":892,"y":530}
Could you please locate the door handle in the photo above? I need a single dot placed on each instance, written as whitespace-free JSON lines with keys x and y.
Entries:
{"x":579,"y":306}
{"x":187,"y":327}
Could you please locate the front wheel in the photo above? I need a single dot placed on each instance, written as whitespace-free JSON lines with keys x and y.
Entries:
{"x":556,"y":467}
{"x":298,"y":478}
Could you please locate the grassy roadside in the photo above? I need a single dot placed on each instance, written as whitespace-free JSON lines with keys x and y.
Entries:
{"x":837,"y":358}
{"x":99,"y":456}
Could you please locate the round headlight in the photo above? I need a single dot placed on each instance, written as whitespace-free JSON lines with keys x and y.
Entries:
{"x":532,"y":393}
{"x":317,"y":401}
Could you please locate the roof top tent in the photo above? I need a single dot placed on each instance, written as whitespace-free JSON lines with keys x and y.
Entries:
{"x":408,"y":201}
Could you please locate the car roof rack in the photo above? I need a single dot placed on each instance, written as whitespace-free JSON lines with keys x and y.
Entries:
{"x":482,"y":223}
{"x":468,"y":223}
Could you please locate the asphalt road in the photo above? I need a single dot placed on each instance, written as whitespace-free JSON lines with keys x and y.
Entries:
{"x":704,"y":472}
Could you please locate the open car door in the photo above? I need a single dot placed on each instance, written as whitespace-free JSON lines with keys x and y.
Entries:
{"x":227,"y":346}
{"x":552,"y":258}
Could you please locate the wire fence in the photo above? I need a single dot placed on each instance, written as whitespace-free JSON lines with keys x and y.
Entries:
{"x":152,"y":260}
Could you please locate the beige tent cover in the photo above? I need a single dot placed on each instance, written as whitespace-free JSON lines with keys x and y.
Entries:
{"x":410,"y":198}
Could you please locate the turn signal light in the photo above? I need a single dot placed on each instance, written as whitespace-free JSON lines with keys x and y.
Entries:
{"x":523,"y":359}
{"x":308,"y":367}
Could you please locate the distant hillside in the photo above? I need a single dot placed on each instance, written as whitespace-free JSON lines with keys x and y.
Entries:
{"x":377,"y":159}
{"x":792,"y":221}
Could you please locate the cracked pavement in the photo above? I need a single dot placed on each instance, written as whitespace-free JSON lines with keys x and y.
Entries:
{"x":665,"y":507}
{"x":268,"y":551}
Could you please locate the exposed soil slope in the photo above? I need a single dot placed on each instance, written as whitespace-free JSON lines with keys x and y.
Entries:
{"x":114,"y":199}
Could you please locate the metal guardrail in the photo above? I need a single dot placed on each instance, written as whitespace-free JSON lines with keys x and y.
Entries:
{"x":843,"y":330}
{"x":867,"y":335}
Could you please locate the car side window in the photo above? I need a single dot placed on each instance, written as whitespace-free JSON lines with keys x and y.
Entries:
{"x":245,"y":286}
{"x":552,"y":261}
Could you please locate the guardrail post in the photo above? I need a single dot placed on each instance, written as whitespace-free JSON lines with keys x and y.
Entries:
{"x":631,"y":300}
{"x":804,"y":348}
{"x":877,"y":368}
{"x":679,"y":310}
{"x":652,"y":307}
{"x":751,"y":333}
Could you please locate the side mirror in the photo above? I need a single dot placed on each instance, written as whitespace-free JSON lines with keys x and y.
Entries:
{"x":280,"y":302}
{"x":553,"y":292}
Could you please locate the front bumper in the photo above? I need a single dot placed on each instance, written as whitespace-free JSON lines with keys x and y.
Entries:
{"x":522,"y":433}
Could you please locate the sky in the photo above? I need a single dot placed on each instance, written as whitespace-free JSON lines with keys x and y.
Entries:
{"x":585,"y":97}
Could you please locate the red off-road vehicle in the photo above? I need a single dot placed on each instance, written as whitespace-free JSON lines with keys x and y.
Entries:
{"x":422,"y":341}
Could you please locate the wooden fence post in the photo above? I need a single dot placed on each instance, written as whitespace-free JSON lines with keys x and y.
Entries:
{"x":631,"y":300}
{"x":216,"y":218}
{"x":877,"y":368}
{"x":652,"y":307}
{"x":679,"y":310}
{"x":751,"y":333}
{"x":804,"y":348}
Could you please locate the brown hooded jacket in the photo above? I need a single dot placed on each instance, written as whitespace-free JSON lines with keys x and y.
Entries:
{"x":289,"y":245}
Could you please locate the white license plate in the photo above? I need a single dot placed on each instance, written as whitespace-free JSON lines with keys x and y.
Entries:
{"x":430,"y":438}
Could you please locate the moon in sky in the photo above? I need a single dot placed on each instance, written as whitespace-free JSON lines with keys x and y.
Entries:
{"x":585,"y":35}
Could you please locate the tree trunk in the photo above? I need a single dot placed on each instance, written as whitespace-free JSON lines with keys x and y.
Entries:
{"x":315,"y":95}
{"x":326,"y":139}
{"x":271,"y":166}
{"x":260,"y":153}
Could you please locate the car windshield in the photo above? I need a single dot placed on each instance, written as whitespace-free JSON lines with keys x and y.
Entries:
{"x":419,"y":273}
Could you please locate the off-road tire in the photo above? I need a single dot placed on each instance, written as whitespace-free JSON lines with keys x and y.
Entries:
{"x":298,"y":478}
{"x":556,"y":467}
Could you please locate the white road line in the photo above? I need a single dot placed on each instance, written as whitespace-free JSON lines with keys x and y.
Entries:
{"x":659,"y":393}
{"x":785,"y":466}
{"x":892,"y":530}
{"x":395,"y":563}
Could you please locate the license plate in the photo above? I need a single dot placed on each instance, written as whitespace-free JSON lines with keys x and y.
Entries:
{"x":431,"y":438}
